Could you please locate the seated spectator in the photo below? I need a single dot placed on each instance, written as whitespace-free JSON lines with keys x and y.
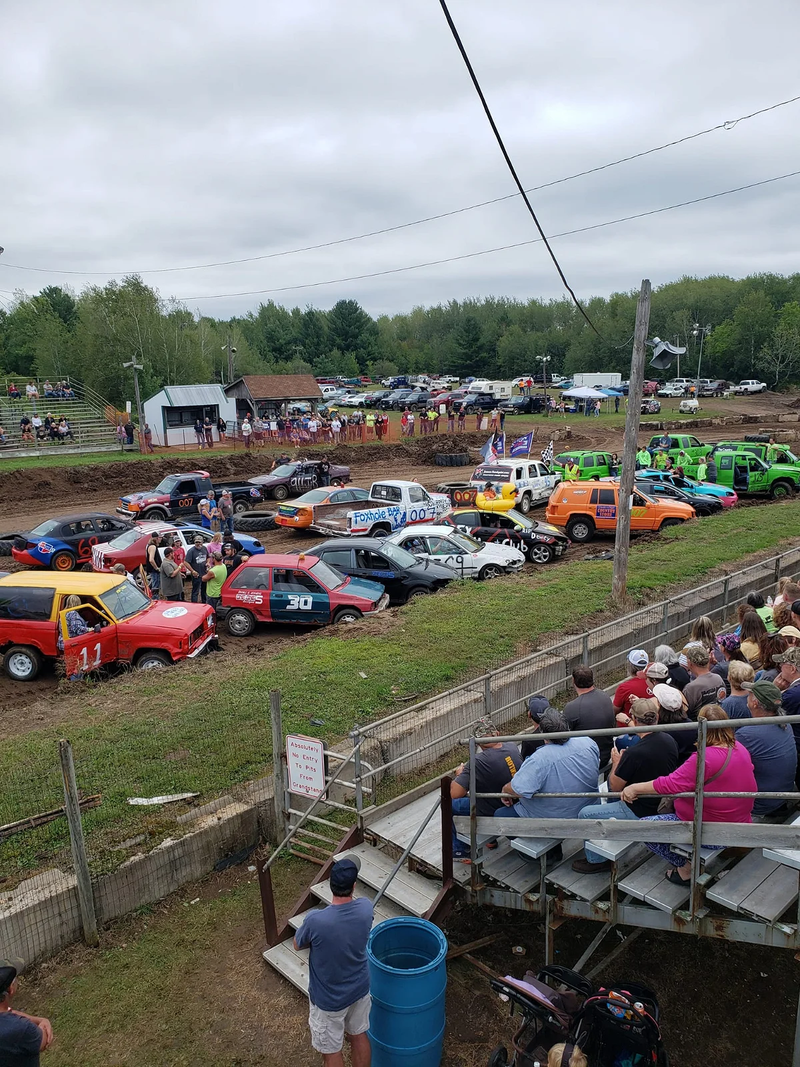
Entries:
{"x":750,"y":633}
{"x":789,"y":593}
{"x":735,"y":705}
{"x":678,"y":675}
{"x":705,"y":687}
{"x":763,"y":610}
{"x":31,"y":391}
{"x":13,"y":392}
{"x":3,"y":437}
{"x":654,"y":756}
{"x":537,"y":706}
{"x":64,"y":429}
{"x":729,"y":651}
{"x":655,"y":674}
{"x":25,"y":428}
{"x":790,"y":634}
{"x":592,"y":709}
{"x":795,"y":620}
{"x":48,"y":389}
{"x":496,"y":764}
{"x":22,"y":1036}
{"x":782,"y":615}
{"x":672,"y":710}
{"x":788,"y":681}
{"x":771,"y":746}
{"x":728,"y":768}
{"x":770,"y":646}
{"x":635,"y":686}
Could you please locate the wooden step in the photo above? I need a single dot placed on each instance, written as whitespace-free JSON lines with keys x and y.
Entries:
{"x":411,"y":891}
{"x":648,"y":883}
{"x":291,"y":963}
{"x":386,"y":909}
{"x":534,"y":847}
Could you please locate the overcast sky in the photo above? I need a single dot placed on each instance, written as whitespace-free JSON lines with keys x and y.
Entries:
{"x":161,"y":134}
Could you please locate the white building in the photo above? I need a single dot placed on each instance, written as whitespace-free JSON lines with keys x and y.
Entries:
{"x":172,"y":412}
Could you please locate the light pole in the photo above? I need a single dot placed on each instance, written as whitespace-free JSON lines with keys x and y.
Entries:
{"x":702,"y":332}
{"x":544,"y":360}
{"x":136,"y":368}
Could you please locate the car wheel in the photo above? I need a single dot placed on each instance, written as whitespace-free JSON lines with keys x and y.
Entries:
{"x":280,"y":492}
{"x":525,"y":504}
{"x":154,"y":515}
{"x":538,"y":553}
{"x":671,"y":522}
{"x":240,"y":506}
{"x":153,"y":660}
{"x":491,"y":570}
{"x":580,"y":530}
{"x":240,"y":623}
{"x":347,"y":615}
{"x":63,"y":561}
{"x":379,"y":531}
{"x":780,"y":490}
{"x":22,"y":663}
{"x":417,"y":591}
{"x":5,"y":548}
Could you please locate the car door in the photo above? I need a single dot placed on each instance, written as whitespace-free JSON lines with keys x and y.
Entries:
{"x":305,"y":477}
{"x":420,"y":506}
{"x":472,"y":522}
{"x":185,"y":496}
{"x":644,"y":513}
{"x":249,"y":588}
{"x":91,"y":650}
{"x":298,"y":598}
{"x":82,"y":535}
{"x":605,"y":507}
{"x":375,"y":567}
{"x":443,"y":550}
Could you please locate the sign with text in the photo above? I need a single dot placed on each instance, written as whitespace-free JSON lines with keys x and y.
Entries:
{"x":305,"y":765}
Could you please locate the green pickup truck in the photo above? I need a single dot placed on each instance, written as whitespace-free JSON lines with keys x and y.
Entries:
{"x":590,"y":464}
{"x":768,"y":453}
{"x":746,"y":473}
{"x":680,"y":445}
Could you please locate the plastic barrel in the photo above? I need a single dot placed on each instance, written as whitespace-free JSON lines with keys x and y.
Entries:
{"x":408,"y":976}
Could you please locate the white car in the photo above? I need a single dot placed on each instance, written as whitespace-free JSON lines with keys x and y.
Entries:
{"x":671,"y":389}
{"x":468,"y":557}
{"x":750,"y":385}
{"x":357,"y":400}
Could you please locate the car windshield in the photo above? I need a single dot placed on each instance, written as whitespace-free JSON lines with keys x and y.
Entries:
{"x":45,"y":528}
{"x":125,"y":540}
{"x":125,"y":600}
{"x":314,"y":496}
{"x":469,"y":544}
{"x":166,"y":485}
{"x":520,"y":520}
{"x":329,"y":576}
{"x":286,"y":470}
{"x":401,"y":557}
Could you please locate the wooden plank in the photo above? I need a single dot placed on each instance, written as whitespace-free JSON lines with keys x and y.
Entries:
{"x":610,"y":850}
{"x":775,"y":894}
{"x":412,"y":891}
{"x":292,"y":964}
{"x":586,"y":886}
{"x":505,"y":866}
{"x":534,"y":847}
{"x":526,"y":878}
{"x":376,"y":814}
{"x":736,"y":885}
{"x":297,"y":921}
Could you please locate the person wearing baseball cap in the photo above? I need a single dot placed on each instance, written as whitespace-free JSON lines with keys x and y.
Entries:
{"x":22,"y":1036}
{"x":338,"y":988}
{"x":635,"y":686}
{"x":771,"y":746}
{"x":705,"y":688}
{"x":495,"y":764}
{"x":537,"y":706}
{"x":788,"y":681}
{"x":790,"y":634}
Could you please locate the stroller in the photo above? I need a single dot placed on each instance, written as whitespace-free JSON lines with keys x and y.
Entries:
{"x":549,"y":1002}
{"x":619,"y":1027}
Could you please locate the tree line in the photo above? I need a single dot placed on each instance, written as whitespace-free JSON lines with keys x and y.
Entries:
{"x":755,"y":333}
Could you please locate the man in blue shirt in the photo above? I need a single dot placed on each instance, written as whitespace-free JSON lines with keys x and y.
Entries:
{"x":771,"y":747}
{"x":338,"y":988}
{"x":22,"y":1036}
{"x":788,"y":681}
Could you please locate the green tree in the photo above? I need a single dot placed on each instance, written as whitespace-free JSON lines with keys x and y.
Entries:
{"x":352,"y":331}
{"x":780,"y":358}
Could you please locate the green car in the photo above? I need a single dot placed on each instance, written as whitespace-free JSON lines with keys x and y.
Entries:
{"x":746,"y":473}
{"x":768,"y":453}
{"x":681,"y":445}
{"x":590,"y":464}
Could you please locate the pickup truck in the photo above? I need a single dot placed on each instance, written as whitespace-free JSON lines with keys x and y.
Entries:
{"x":391,"y":506}
{"x":745,"y":473}
{"x":178,"y":495}
{"x":474,"y":402}
{"x":533,"y":479}
{"x":749,"y":385}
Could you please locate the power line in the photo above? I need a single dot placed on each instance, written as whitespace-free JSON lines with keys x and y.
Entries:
{"x":729,"y":124}
{"x":499,"y":248}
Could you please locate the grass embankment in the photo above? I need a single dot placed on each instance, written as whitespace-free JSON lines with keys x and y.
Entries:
{"x":204,"y":727}
{"x":45,"y":459}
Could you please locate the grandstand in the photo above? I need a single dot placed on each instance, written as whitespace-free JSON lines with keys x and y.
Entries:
{"x":92,"y":420}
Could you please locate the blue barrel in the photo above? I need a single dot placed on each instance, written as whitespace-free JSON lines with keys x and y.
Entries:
{"x":408,"y":976}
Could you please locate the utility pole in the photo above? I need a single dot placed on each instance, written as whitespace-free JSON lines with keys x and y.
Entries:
{"x":229,"y":348}
{"x":544,"y":361}
{"x":702,"y":332}
{"x":619,"y":583}
{"x":136,"y":368}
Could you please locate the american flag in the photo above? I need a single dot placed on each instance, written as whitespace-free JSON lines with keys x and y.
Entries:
{"x":547,"y":454}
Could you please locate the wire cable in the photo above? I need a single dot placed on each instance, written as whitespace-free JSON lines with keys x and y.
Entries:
{"x":499,"y":248}
{"x":729,"y":124}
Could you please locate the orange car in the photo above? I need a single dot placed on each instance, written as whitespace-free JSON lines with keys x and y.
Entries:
{"x":301,"y":514}
{"x":587,"y":508}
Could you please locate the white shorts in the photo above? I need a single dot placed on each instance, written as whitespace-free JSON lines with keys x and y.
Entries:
{"x":329,"y":1027}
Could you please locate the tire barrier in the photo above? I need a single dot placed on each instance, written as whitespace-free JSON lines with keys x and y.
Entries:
{"x":452,"y":459}
{"x":252,"y":521}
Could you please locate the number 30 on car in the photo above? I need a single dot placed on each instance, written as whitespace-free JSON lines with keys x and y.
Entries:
{"x":299,"y":590}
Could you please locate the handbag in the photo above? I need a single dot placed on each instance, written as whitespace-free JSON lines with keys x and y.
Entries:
{"x":667,"y":804}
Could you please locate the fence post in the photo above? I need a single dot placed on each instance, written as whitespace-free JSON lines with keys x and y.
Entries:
{"x":725,"y":591}
{"x":277,"y":761}
{"x":487,"y":695}
{"x":355,"y":737}
{"x":585,"y":650}
{"x":778,"y":569}
{"x":665,"y":618}
{"x":697,"y":821}
{"x":78,"y":845}
{"x":473,"y":817}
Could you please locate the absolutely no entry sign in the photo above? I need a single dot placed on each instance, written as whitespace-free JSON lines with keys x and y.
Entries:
{"x":305,"y":765}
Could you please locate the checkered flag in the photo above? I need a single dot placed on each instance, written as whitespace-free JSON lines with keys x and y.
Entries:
{"x":547,"y":454}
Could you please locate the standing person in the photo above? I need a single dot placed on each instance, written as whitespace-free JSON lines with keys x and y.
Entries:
{"x":643,"y":459}
{"x":22,"y":1036}
{"x":148,"y":438}
{"x":462,"y":419}
{"x":702,"y":471}
{"x":478,"y":418}
{"x":711,"y":464}
{"x":451,"y":419}
{"x":338,"y":986}
{"x":494,"y":419}
{"x":215,"y":579}
{"x":597,"y":409}
{"x":230,"y":557}
{"x":171,"y":577}
{"x":495,"y":764}
{"x":502,"y":419}
{"x":209,"y":512}
{"x":616,"y":404}
{"x":197,"y":562}
{"x":226,"y":511}
{"x":222,"y":429}
{"x":129,"y":432}
{"x":571,"y":471}
{"x":411,"y":418}
{"x":208,"y":430}
{"x":247,"y":431}
{"x":325,"y":471}
{"x":592,"y":709}
{"x":152,"y":563}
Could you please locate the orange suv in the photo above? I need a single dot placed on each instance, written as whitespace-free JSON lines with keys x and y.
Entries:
{"x":587,"y":508}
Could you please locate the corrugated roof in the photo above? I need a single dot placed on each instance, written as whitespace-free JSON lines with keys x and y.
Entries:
{"x":180,"y":396}
{"x":282,"y":386}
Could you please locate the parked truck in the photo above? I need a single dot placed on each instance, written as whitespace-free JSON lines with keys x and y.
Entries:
{"x":392,"y":505}
{"x":597,"y":381}
{"x":178,"y":495}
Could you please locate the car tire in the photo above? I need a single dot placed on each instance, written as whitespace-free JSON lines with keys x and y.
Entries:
{"x":491,"y":570}
{"x":580,"y":529}
{"x":280,"y":492}
{"x":254,"y":521}
{"x":63,"y":561}
{"x":781,"y":490}
{"x":541,"y":554}
{"x":152,"y":660}
{"x":240,"y":622}
{"x":525,"y":504}
{"x":417,"y":591}
{"x":240,"y":507}
{"x":154,"y":515}
{"x":670,"y":522}
{"x":347,"y":616}
{"x":5,"y":548}
{"x":22,"y":663}
{"x":379,"y":531}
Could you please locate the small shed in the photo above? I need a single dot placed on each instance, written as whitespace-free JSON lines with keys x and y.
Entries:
{"x":268,"y":395}
{"x":173,"y":410}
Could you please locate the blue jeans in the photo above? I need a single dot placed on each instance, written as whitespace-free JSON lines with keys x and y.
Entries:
{"x":460,"y":807}
{"x":615,"y":809}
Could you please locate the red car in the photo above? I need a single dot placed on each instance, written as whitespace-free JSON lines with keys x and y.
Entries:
{"x":130,"y":547}
{"x":299,"y":590}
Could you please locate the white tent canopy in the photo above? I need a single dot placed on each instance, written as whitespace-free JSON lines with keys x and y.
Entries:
{"x":585,"y":392}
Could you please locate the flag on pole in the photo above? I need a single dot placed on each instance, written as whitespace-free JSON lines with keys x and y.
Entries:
{"x":488,"y":451}
{"x":547,"y":454}
{"x":499,"y":445}
{"x":522,"y":446}
{"x":494,"y":448}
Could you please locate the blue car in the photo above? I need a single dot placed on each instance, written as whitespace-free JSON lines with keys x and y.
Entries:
{"x":66,"y":542}
{"x":727,"y":497}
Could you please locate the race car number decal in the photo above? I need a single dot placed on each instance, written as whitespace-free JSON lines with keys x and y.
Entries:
{"x":250,"y":598}
{"x":84,"y":659}
{"x":85,"y":546}
{"x":300,"y":603}
{"x":606,"y":511}
{"x":185,"y":502}
{"x":638,"y":513}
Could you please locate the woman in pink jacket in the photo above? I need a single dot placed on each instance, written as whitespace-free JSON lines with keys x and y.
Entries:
{"x":728,"y":769}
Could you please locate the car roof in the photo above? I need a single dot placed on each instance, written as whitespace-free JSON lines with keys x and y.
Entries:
{"x":273,"y":559}
{"x":585,"y":452}
{"x":402,"y":483}
{"x":427,"y":528}
{"x":73,"y":516}
{"x":351,"y":542}
{"x":69,"y":582}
